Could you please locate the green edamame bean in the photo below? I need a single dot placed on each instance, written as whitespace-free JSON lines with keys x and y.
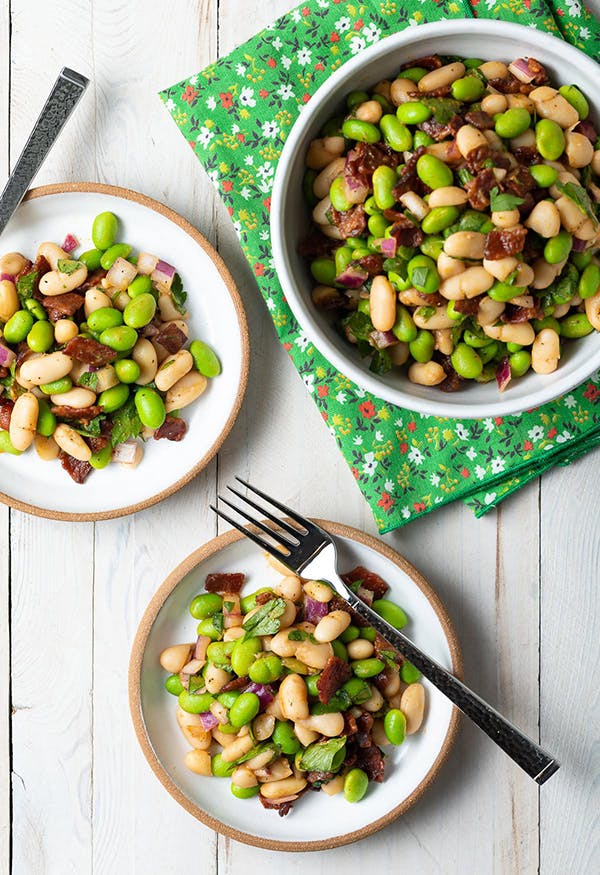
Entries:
{"x":504,"y":291}
{"x":244,"y":654}
{"x":104,"y":230}
{"x":355,"y":98}
{"x":363,"y":132}
{"x":576,"y":98}
{"x":439,"y":218}
{"x":205,"y":605}
{"x":41,"y":337}
{"x":414,"y":73}
{"x":468,"y":89}
{"x":91,"y":259}
{"x":420,"y":138}
{"x":453,"y":313}
{"x":466,"y":362}
{"x":371,"y":209}
{"x":173,"y":685}
{"x":141,"y":285}
{"x":356,"y":784}
{"x":349,"y":634}
{"x":384,"y":180}
{"x":323,"y":271}
{"x":205,"y":358}
{"x":119,"y":250}
{"x":512,"y":123}
{"x":266,"y":670}
{"x":103,"y":318}
{"x":409,"y":674}
{"x":229,"y":696}
{"x":432,"y":246}
{"x":475,"y":337}
{"x":18,"y":326}
{"x":435,"y":174}
{"x":57,"y":387}
{"x":342,"y":257}
{"x":356,"y":242}
{"x":337,"y":194}
{"x":195,"y":703}
{"x":339,"y":650}
{"x":423,"y":274}
{"x":367,"y":668}
{"x":383,"y":102}
{"x":368,"y":633}
{"x":488,"y":352}
{"x":36,"y":309}
{"x":220,"y":768}
{"x":543,"y":175}
{"x":127,"y":370}
{"x":558,"y":248}
{"x":114,"y":398}
{"x":285,"y":738}
{"x":413,"y":112}
{"x":391,"y":613}
{"x":139,"y":312}
{"x":589,"y":281}
{"x":421,"y":349}
{"x":575,"y":325}
{"x":150,"y":407}
{"x":582,"y":259}
{"x":311,"y":684}
{"x":122,"y":338}
{"x":546,"y":322}
{"x":101,"y":458}
{"x":377,"y":225}
{"x":219,"y":652}
{"x":6,"y":445}
{"x":307,"y":186}
{"x":549,"y":139}
{"x":245,"y":708}
{"x":395,"y":134}
{"x":358,"y":690}
{"x":394,"y":726}
{"x":245,"y":792}
{"x":248,"y":602}
{"x":514,"y":347}
{"x":519,"y":362}
{"x":208,"y":628}
{"x":46,"y":421}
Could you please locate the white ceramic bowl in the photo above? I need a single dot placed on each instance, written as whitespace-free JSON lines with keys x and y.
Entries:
{"x":290,"y":221}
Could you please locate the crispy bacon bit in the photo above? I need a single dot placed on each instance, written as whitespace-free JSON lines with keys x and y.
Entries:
{"x":76,"y":469}
{"x":59,"y":306}
{"x":467,"y":305}
{"x":90,"y":352}
{"x":6,"y":408}
{"x":171,"y":337}
{"x":442,"y":91}
{"x":370,"y":760}
{"x":97,"y":442}
{"x":236,"y":684}
{"x":263,"y":597}
{"x":406,"y":233}
{"x":222,"y":582}
{"x":500,"y":243}
{"x":364,"y":724}
{"x":383,"y":678}
{"x":452,"y":381}
{"x":281,"y":806}
{"x":429,"y":62}
{"x":480,"y":187}
{"x":319,"y":778}
{"x":373,"y":264}
{"x":93,"y":279}
{"x":27,"y":267}
{"x":440,"y":131}
{"x":506,"y":85}
{"x":480,"y":120}
{"x":335,"y":673}
{"x":519,"y":181}
{"x":476,"y":158}
{"x":526,"y":155}
{"x":538,"y":69}
{"x":380,"y":645}
{"x":368,"y":579}
{"x":352,"y":222}
{"x":173,"y":429}
{"x":408,"y":179}
{"x":317,"y":245}
{"x":514,"y":313}
{"x":350,"y":725}
{"x":364,"y":158}
{"x":77,"y":414}
{"x":23,"y":353}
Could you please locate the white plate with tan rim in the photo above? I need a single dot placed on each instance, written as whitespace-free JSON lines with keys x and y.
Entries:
{"x":216,"y":316}
{"x":317,"y":821}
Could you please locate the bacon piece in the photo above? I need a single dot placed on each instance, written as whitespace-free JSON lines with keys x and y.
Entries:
{"x":477,"y":157}
{"x":59,"y":306}
{"x":519,"y":181}
{"x":373,"y":264}
{"x":222,"y":582}
{"x":235,"y":684}
{"x":171,"y":337}
{"x":352,"y":222}
{"x":263,"y":597}
{"x":364,"y":725}
{"x":408,"y":179}
{"x":480,"y":120}
{"x":317,"y":245}
{"x":429,"y":62}
{"x":23,"y":353}
{"x":515,"y":313}
{"x":335,"y":673}
{"x":350,"y":725}
{"x":77,"y":414}
{"x":93,"y":279}
{"x":282,"y":807}
{"x":442,"y":91}
{"x":452,"y":381}
{"x":480,"y":187}
{"x":365,"y":158}
{"x":90,"y":352}
{"x":368,"y":579}
{"x":318,"y":778}
{"x":406,"y":233}
{"x":6,"y":409}
{"x":503,"y":242}
{"x":540,"y":75}
{"x":97,"y":442}
{"x":506,"y":85}
{"x":526,"y":155}
{"x":77,"y":469}
{"x":467,"y":305}
{"x":173,"y":429}
{"x":439,"y":130}
{"x":27,"y":268}
{"x":370,"y":760}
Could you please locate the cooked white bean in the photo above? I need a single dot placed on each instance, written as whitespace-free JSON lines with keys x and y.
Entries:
{"x":561,"y":310}
{"x":443,"y":340}
{"x":494,"y":103}
{"x":489,"y":311}
{"x":56,"y":283}
{"x":596,"y":162}
{"x":323,"y":181}
{"x":46,"y":447}
{"x":336,"y":785}
{"x":12,"y":263}
{"x":52,"y":253}
{"x":393,"y":685}
{"x":382,"y":304}
{"x":493,"y":70}
{"x":77,"y":398}
{"x":579,"y":149}
{"x":438,"y":319}
{"x":415,"y":204}
{"x":281,"y":644}
{"x":166,"y":308}
{"x":241,"y":745}
{"x":145,"y":356}
{"x":319,"y":213}
{"x":293,"y":698}
{"x":426,"y":374}
{"x":9,"y":300}
{"x":280,"y":789}
{"x":411,"y":297}
{"x":545,"y":273}
{"x":173,"y":369}
{"x":95,"y":299}
{"x":445,"y":75}
{"x":517,"y":332}
{"x":318,"y":591}
{"x":525,"y":275}
{"x":574,"y":220}
{"x":383,"y":88}
{"x":325,"y":724}
{"x":369,"y":111}
{"x":322,"y":151}
{"x":233,"y":633}
{"x":550,"y":104}
{"x":263,"y":726}
{"x":261,"y":760}
{"x":275,"y":771}
{"x":399,"y":353}
{"x":23,"y":421}
{"x":401,"y":89}
{"x":289,"y":615}
{"x":243,"y":777}
{"x":379,"y":736}
{"x":506,"y":218}
{"x":332,"y":625}
{"x":523,"y":102}
{"x":193,"y":730}
{"x":215,"y":678}
{"x":314,"y":655}
{"x":545,"y":351}
{"x":374,"y":702}
{"x":65,"y":330}
{"x":448,"y":266}
{"x":46,"y":368}
{"x":198,"y":761}
{"x":331,"y":231}
{"x":544,"y":219}
{"x":448,"y":196}
{"x":469,"y":138}
{"x":500,"y":268}
{"x":471,"y":283}
{"x":289,"y":587}
{"x":465,"y":244}
{"x":592,"y":310}
{"x":360,"y":648}
{"x":175,"y":657}
{"x":305,"y":736}
{"x":274,"y":709}
{"x":413,"y":707}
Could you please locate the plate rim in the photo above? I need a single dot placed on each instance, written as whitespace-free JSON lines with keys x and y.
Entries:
{"x":135,"y":702}
{"x":158,"y":207}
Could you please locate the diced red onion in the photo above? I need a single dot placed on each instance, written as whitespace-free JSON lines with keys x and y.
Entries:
{"x":7,"y":276}
{"x":314,"y":610}
{"x":386,"y":245}
{"x":121,"y":274}
{"x":7,"y":356}
{"x":579,"y":245}
{"x":201,"y":646}
{"x":522,"y":71}
{"x":503,"y":374}
{"x":193,"y":666}
{"x":356,"y":190}
{"x":383,"y":339}
{"x":365,"y":594}
{"x":70,"y":243}
{"x":353,"y":277}
{"x":208,"y":720}
{"x":146,"y":262}
{"x":163,"y":274}
{"x":265,"y":694}
{"x":586,"y":128}
{"x":125,"y":452}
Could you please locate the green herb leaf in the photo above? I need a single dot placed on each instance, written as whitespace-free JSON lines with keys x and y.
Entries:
{"x":177,"y":293}
{"x":26,"y":285}
{"x":260,"y":748}
{"x":502,"y":202}
{"x":89,"y":379}
{"x":419,"y":276}
{"x":266,"y":620}
{"x":359,"y":325}
{"x":228,"y":606}
{"x":464,"y":175}
{"x":217,"y":621}
{"x":324,"y":756}
{"x":126,"y":423}
{"x":298,"y":635}
{"x":443,"y":108}
{"x":426,"y":312}
{"x":68,"y":266}
{"x":389,"y":657}
{"x":579,"y":196}
{"x":93,"y":428}
{"x":381,"y":362}
{"x":564,"y":287}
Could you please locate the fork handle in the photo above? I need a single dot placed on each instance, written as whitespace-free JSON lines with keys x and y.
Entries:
{"x":538,"y":764}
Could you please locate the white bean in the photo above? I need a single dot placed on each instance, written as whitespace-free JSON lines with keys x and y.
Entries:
{"x":415,"y":204}
{"x":243,"y":777}
{"x":382,"y":304}
{"x":241,"y":745}
{"x":175,"y":657}
{"x":9,"y":300}
{"x":57,"y":283}
{"x":401,"y":89}
{"x":281,"y":644}
{"x":293,"y":698}
{"x":280,"y":789}
{"x":448,"y":196}
{"x":52,"y":253}
{"x":445,"y":75}
{"x":438,"y":319}
{"x":46,"y":368}
{"x":318,"y":591}
{"x":322,"y":151}
{"x":46,"y":447}
{"x":500,"y":268}
{"x":413,"y":707}
{"x":489,"y":311}
{"x":166,"y":308}
{"x":289,"y":587}
{"x":185,"y":390}
{"x":448,"y":266}
{"x":65,"y":330}
{"x":12,"y":263}
{"x":193,"y":730}
{"x":329,"y":725}
{"x":369,"y":111}
{"x":494,"y":103}
{"x":518,"y":332}
{"x":95,"y":299}
{"x":469,"y":138}
{"x":579,"y":149}
{"x":550,"y":104}
{"x":314,"y":655}
{"x":592,"y":310}
{"x":506,"y":218}
{"x":544,"y":219}
{"x":426,"y":373}
{"x":493,"y":70}
{"x":172,"y":369}
{"x":77,"y":398}
{"x":545,"y":351}
{"x":331,"y":626}
{"x":465,"y":244}
{"x":263,"y":726}
{"x":145,"y":356}
{"x":360,"y":648}
{"x":23,"y":421}
{"x":374,"y":702}
{"x":323,"y":181}
{"x":198,"y":761}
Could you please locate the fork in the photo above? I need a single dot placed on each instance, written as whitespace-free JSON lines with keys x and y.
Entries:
{"x":309,"y":551}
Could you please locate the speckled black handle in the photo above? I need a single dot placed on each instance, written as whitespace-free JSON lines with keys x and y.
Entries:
{"x":538,"y":764}
{"x":63,"y":99}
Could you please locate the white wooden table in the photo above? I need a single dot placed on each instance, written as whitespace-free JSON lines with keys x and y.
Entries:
{"x":76,"y":795}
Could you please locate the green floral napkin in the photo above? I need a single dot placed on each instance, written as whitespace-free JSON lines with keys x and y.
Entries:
{"x":236,"y":115}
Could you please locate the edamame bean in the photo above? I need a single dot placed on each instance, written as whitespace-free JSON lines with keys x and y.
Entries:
{"x":546,"y":322}
{"x":391,"y":613}
{"x":358,"y":690}
{"x":57,"y":387}
{"x":589,"y":282}
{"x":220,"y":768}
{"x":266,"y":670}
{"x":421,"y":349}
{"x":229,"y":696}
{"x":323,"y":271}
{"x":205,"y":358}
{"x":343,"y":256}
{"x":395,"y":134}
{"x":139,"y":312}
{"x":101,"y":458}
{"x":104,"y":230}
{"x":141,"y":285}
{"x":433,"y":246}
{"x":195,"y":703}
{"x":409,"y":674}
{"x":104,"y":317}
{"x":557,"y":249}
{"x":377,"y":226}
{"x":582,"y":259}
{"x":173,"y":685}
{"x":434,"y":173}
{"x":423,"y":274}
{"x":472,"y":63}
{"x":413,"y":112}
{"x":285,"y":738}
{"x":394,"y":726}
{"x":339,"y":650}
{"x":245,"y":708}
{"x":349,"y":634}
{"x":245,"y":792}
{"x":119,"y":250}
{"x":308,"y":181}
{"x":575,"y":325}
{"x":363,"y":132}
{"x":208,"y":628}
{"x":371,"y":209}
{"x":18,"y":326}
{"x":127,"y":370}
{"x":384,"y":180}
{"x":549,"y":139}
{"x":467,"y":89}
{"x":337,"y":195}
{"x":46,"y":422}
{"x":439,"y":218}
{"x":488,"y":352}
{"x":36,"y":309}
{"x":414,"y":73}
{"x":41,"y":337}
{"x":220,"y":652}
{"x":512,"y":123}
{"x":504,"y":291}
{"x":121,"y":339}
{"x":475,"y":337}
{"x":519,"y":362}
{"x":6,"y":445}
{"x":355,"y":98}
{"x":311,"y":684}
{"x":205,"y":605}
{"x":543,"y":175}
{"x":244,"y":654}
{"x":367,"y":668}
{"x":466,"y":362}
{"x":248,"y":602}
{"x":150,"y":407}
{"x":574,"y":96}
{"x":91,"y":259}
{"x":114,"y":398}
{"x":420,"y":138}
{"x":356,"y":784}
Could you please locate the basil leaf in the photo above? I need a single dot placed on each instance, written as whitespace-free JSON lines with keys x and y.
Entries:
{"x":217,"y":621}
{"x":89,"y":379}
{"x":324,"y":756}
{"x":443,"y":108}
{"x":126,"y":423}
{"x":359,"y":325}
{"x":266,"y":620}
{"x":426,"y":312}
{"x":68,"y":266}
{"x":177,"y":293}
{"x":389,"y":657}
{"x":93,"y":428}
{"x":505,"y":201}
{"x":228,"y":606}
{"x":26,"y":285}
{"x":579,"y":196}
{"x":298,"y":635}
{"x":381,"y":362}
